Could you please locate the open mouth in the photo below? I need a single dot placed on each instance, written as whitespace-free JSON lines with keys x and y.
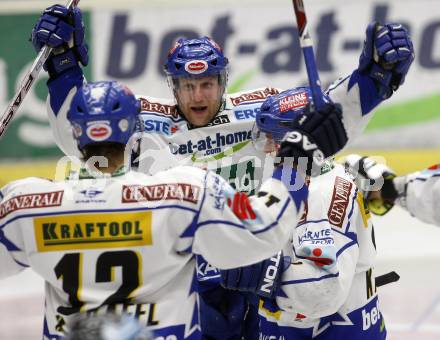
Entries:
{"x":199,"y":109}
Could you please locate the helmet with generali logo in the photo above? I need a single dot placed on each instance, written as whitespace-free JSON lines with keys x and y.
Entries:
{"x":277,"y":112}
{"x":104,"y":111}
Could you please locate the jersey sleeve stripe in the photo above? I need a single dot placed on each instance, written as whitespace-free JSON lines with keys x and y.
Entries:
{"x":345,"y":247}
{"x":224,"y":222}
{"x":21,"y":264}
{"x":10,"y":246}
{"x":243,"y":226}
{"x":273,"y":224}
{"x":423,"y":179}
{"x":311,"y":222}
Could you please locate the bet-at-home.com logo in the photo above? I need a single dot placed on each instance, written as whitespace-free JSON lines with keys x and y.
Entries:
{"x":211,"y":145}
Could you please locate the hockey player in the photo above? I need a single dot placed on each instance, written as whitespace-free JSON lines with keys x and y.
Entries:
{"x":112,"y":239}
{"x":322,"y":286}
{"x":208,"y":127}
{"x":417,"y":192}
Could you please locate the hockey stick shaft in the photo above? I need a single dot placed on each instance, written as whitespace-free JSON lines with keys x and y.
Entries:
{"x":309,"y":56}
{"x":27,"y":82}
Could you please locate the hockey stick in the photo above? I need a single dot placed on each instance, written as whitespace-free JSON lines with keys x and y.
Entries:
{"x":309,"y":57}
{"x":27,"y":82}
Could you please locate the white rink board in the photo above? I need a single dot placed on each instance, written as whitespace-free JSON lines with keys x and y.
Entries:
{"x":411,"y":307}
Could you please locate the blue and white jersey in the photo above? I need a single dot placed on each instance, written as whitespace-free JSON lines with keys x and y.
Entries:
{"x":225,"y":145}
{"x":328,"y":291}
{"x":419,"y":193}
{"x":127,"y":242}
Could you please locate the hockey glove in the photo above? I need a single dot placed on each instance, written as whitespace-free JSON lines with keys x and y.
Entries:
{"x":315,"y":135}
{"x":375,"y":181}
{"x":63,"y":30}
{"x":222,"y":313}
{"x":386,"y":57}
{"x":261,"y":278}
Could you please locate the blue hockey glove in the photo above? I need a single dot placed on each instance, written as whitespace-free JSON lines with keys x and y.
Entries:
{"x":222,"y":313}
{"x":315,"y":135}
{"x":261,"y":278}
{"x":63,"y":30}
{"x":386,"y":57}
{"x":375,"y":181}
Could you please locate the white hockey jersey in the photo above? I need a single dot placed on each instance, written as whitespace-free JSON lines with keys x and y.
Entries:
{"x":126,"y":243}
{"x":420,"y":194}
{"x":328,"y":292}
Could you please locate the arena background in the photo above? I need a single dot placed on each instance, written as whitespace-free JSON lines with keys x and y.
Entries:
{"x":129,"y":40}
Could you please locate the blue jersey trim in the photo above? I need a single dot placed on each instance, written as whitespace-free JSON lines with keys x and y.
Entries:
{"x":298,"y":196}
{"x":423,"y":179}
{"x":10,"y":246}
{"x":47,"y":334}
{"x":242,"y":226}
{"x":283,"y":209}
{"x":225,"y":222}
{"x":313,"y":221}
{"x":348,"y":245}
{"x":21,"y":264}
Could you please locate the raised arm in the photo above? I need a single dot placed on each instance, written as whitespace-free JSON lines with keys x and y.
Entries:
{"x":63,"y":30}
{"x":383,"y":65}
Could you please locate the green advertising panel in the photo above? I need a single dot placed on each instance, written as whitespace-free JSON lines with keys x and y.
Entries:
{"x":29,"y":134}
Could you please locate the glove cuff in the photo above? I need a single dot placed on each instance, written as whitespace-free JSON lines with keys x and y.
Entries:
{"x":60,"y":63}
{"x":389,"y":191}
{"x":273,"y":269}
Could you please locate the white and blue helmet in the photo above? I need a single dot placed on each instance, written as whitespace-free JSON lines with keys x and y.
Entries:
{"x":104,"y":111}
{"x":277,"y":112}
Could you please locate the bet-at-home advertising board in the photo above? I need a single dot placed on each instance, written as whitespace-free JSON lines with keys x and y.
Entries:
{"x":129,"y":43}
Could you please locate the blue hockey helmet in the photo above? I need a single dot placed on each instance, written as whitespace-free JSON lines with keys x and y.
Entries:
{"x":196,"y":57}
{"x":104,"y":111}
{"x":278,"y":111}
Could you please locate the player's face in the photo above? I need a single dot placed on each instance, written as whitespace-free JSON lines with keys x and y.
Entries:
{"x":199,"y":98}
{"x":270,"y":146}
